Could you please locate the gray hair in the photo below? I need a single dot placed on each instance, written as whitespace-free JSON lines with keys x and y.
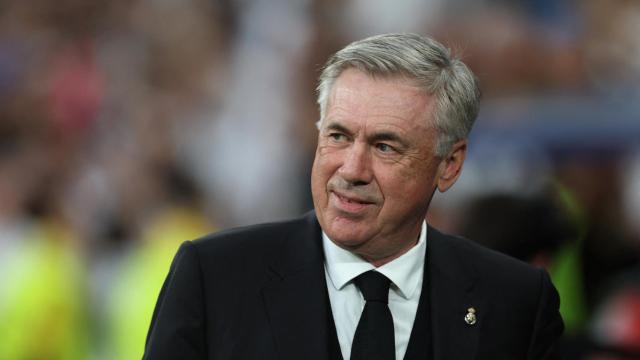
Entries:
{"x":419,"y":59}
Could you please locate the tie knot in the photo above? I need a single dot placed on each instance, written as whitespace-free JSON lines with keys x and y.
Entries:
{"x":374,"y":286}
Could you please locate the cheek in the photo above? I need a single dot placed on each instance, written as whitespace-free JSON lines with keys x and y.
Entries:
{"x":403,"y":187}
{"x":319,"y":179}
{"x":394,"y":178}
{"x":325,"y":164}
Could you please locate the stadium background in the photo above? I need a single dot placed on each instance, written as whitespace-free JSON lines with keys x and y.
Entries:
{"x":128,"y":126}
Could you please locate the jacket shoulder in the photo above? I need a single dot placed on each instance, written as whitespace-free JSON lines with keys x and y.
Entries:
{"x":253,"y":241}
{"x":487,"y":256}
{"x":491,"y":266}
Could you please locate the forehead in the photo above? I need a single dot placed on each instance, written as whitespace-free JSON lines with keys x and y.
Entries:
{"x":357,"y":96}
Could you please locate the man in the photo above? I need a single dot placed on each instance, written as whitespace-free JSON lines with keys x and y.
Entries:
{"x":395,"y":112}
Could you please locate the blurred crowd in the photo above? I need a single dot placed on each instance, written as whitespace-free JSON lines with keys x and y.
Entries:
{"x":129,"y":126}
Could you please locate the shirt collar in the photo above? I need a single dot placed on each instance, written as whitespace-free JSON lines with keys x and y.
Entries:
{"x":404,"y":272}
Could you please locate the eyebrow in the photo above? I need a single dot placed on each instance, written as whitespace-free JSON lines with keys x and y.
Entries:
{"x":380,"y":136}
{"x":388,"y":136}
{"x":338,"y":127}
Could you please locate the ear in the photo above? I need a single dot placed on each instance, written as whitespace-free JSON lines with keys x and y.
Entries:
{"x":451,"y":165}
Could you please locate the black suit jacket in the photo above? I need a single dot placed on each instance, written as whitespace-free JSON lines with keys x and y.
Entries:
{"x":259,"y":292}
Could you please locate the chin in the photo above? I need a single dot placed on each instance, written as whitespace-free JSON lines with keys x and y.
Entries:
{"x":345,"y":230}
{"x":346,"y":236}
{"x":347,"y":244}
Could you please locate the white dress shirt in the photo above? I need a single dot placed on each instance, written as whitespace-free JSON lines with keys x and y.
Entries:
{"x":347,"y":303}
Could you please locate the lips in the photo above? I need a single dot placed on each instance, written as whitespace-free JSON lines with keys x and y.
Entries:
{"x":350,"y":203}
{"x":351,"y":199}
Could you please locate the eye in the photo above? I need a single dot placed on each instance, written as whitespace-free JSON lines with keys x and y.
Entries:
{"x":337,"y":137}
{"x":385,"y":148}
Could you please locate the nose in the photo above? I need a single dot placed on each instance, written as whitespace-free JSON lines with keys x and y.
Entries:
{"x":356,"y":165}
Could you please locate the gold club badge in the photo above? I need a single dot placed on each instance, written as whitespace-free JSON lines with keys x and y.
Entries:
{"x":470,"y":317}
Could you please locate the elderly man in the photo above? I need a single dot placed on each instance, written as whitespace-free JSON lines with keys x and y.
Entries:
{"x":364,"y":277}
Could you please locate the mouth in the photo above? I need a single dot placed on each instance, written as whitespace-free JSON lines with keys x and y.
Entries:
{"x":350,"y":204}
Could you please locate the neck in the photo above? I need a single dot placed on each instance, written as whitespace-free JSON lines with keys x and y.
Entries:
{"x":377,"y":262}
{"x":377,"y":259}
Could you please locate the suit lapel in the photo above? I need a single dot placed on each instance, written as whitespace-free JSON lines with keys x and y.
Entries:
{"x":296,"y":298}
{"x":453,"y":288}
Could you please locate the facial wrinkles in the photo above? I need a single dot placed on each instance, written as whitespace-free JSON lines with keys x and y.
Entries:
{"x":411,"y":149}
{"x":408,"y":156}
{"x":396,"y":93}
{"x":347,"y":107}
{"x":366,"y":192}
{"x":410,"y":133}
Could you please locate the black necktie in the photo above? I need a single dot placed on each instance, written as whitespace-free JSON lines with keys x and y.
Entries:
{"x":374,"y":339}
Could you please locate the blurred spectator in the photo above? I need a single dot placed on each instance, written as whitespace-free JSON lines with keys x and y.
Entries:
{"x":259,"y":181}
{"x":43,"y":303}
{"x":529,"y":229}
{"x":616,"y":326}
{"x":43,"y":298}
{"x":141,"y":273}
